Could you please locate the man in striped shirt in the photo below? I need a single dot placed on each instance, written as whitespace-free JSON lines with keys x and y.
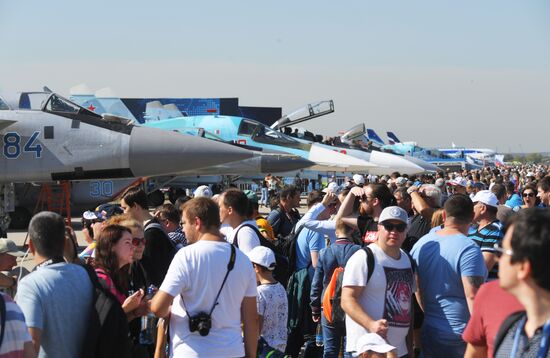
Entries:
{"x":17,"y":341}
{"x":487,"y":230}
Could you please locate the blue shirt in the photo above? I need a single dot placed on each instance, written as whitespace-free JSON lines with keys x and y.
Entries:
{"x":57,"y":299}
{"x":515,"y":200}
{"x":308,"y":240}
{"x":325,"y":227}
{"x":442,"y":262}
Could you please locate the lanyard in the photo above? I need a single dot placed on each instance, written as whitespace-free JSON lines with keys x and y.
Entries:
{"x":53,"y":260}
{"x":544,"y":343}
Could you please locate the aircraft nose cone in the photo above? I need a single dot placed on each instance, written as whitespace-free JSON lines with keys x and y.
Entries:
{"x":156,"y":152}
{"x":277,"y":163}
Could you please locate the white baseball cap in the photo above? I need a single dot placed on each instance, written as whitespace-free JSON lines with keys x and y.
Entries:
{"x":458,"y":181}
{"x":358,"y":179}
{"x":202,"y":190}
{"x":262,"y":256}
{"x":332,"y":187}
{"x":393,"y":213}
{"x":9,"y":247}
{"x":401,"y":181}
{"x":486,"y":197}
{"x":372,"y":342}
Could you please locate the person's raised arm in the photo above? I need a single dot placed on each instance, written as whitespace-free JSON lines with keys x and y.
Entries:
{"x":419,"y":203}
{"x":346,"y":209}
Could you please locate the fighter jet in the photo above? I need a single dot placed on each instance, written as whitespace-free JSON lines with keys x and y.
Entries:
{"x":325,"y":157}
{"x":49,"y":138}
{"x":264,"y":161}
{"x":249,"y":132}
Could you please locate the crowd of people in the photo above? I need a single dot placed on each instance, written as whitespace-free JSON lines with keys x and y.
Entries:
{"x":443,"y":265}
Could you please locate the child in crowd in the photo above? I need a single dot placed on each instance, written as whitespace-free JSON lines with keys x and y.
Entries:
{"x":272,"y":301}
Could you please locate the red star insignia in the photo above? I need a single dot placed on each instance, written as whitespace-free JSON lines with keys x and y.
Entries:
{"x":91,"y":107}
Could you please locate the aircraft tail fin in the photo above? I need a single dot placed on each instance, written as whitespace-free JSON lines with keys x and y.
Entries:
{"x":375,"y":138}
{"x":90,"y":102}
{"x":392,"y":138}
{"x":172,"y":110}
{"x":499,"y":160}
{"x":155,"y":111}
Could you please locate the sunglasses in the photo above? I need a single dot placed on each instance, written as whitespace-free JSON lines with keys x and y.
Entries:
{"x":499,"y":250}
{"x":136,"y":241}
{"x":397,"y":227}
{"x":531,"y":195}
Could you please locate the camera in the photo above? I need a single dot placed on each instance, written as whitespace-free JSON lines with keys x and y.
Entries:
{"x":202,"y":323}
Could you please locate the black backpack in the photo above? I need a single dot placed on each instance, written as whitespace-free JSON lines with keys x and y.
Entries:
{"x":287,"y":247}
{"x":281,"y":272}
{"x":370,"y":261}
{"x":108,"y":333}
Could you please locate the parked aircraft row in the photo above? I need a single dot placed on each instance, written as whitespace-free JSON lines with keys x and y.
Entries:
{"x":250,"y":132}
{"x":48,"y":138}
{"x":472,"y":157}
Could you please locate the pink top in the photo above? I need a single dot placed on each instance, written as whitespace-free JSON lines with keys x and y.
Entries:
{"x":110,"y":285}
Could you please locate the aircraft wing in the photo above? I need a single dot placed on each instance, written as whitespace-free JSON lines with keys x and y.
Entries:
{"x":5,"y":123}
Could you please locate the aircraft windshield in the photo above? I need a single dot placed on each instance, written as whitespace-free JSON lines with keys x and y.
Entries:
{"x":60,"y":104}
{"x":248,"y":127}
{"x":262,"y":134}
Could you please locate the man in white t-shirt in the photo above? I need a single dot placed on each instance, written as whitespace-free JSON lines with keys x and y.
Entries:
{"x":194,"y":279}
{"x":234,"y":212}
{"x":381,"y":304}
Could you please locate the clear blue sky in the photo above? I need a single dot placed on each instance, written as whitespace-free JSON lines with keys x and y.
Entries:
{"x":476,"y":73}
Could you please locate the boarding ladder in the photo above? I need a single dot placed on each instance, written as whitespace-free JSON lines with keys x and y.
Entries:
{"x":57,"y":198}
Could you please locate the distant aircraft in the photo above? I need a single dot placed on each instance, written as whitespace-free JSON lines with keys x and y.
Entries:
{"x":433,"y":156}
{"x":454,"y":151}
{"x":395,"y":160}
{"x":48,"y":138}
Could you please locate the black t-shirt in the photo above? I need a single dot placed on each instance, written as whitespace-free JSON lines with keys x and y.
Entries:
{"x":367,"y":228}
{"x":138,"y":280}
{"x":158,"y":254}
{"x":419,"y":227}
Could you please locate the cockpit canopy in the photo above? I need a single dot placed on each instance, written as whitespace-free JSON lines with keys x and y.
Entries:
{"x":263,"y":134}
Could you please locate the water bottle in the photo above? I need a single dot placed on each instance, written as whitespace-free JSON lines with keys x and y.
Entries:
{"x":147,"y":334}
{"x":319,"y":336}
